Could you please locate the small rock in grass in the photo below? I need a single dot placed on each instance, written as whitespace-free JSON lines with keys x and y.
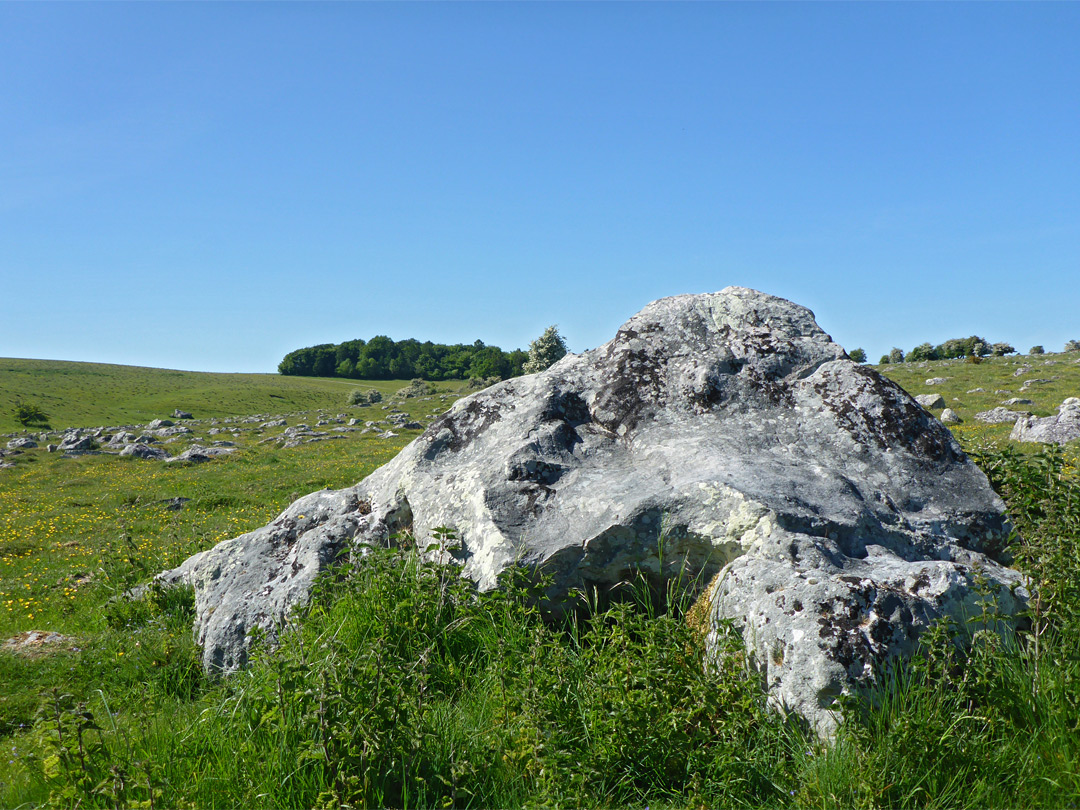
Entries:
{"x":950,"y":417}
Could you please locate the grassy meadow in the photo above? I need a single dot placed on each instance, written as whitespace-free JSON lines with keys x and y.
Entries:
{"x":93,"y":394}
{"x":403,"y":688}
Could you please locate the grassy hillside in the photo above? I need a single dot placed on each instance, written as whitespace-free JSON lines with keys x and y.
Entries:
{"x":389,"y":696}
{"x":94,"y":394}
{"x":1051,"y":378}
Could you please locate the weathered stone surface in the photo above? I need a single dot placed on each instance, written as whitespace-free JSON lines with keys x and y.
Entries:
{"x":179,"y":414}
{"x":122,"y":439}
{"x":719,"y":437}
{"x":936,"y":381}
{"x":144,"y":451}
{"x":1017,"y":401}
{"x":169,"y":432}
{"x":931,"y":401}
{"x":1059,"y":429}
{"x":36,"y":642}
{"x":950,"y":417}
{"x":160,"y":423}
{"x":21,"y":444}
{"x":198,"y":453}
{"x":76,"y":442}
{"x":999,"y":416}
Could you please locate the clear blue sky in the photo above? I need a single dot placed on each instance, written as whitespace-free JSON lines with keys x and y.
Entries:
{"x":209,"y":186}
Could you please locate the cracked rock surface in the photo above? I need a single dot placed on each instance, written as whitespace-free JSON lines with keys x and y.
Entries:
{"x":719,"y":438}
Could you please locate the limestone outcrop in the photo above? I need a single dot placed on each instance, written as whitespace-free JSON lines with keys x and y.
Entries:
{"x":1061,"y":428}
{"x":723,"y":441}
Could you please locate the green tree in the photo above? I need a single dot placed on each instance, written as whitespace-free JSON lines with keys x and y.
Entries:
{"x":858,"y":355}
{"x":1002,"y":349}
{"x":1072,"y":346}
{"x":896,"y":355}
{"x":1037,"y":350}
{"x":28,"y":414}
{"x":924,"y":351}
{"x":545,"y":351}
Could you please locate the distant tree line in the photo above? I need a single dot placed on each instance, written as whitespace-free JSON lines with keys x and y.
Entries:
{"x":384,"y":359}
{"x":968,"y":347}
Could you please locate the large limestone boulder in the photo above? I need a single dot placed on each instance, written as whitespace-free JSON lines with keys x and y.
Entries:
{"x":1059,"y":429}
{"x":723,"y":441}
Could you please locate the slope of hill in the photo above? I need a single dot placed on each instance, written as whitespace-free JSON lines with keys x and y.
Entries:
{"x":84,"y":394}
{"x":970,"y":388}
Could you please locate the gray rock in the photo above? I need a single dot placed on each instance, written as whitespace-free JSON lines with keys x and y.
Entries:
{"x":931,"y":401}
{"x":21,"y":444}
{"x":976,"y":390}
{"x":145,"y":451}
{"x":122,"y":438}
{"x":196,"y":453}
{"x":999,"y":416}
{"x":167,"y":432}
{"x":1059,"y":429}
{"x":75,"y":442}
{"x":160,"y":423}
{"x":1034,"y":381}
{"x":179,"y":414}
{"x":950,"y":417}
{"x":1017,"y":401}
{"x":272,"y":424}
{"x":52,"y":448}
{"x":1020,"y":372}
{"x":936,"y":381}
{"x":717,"y":437}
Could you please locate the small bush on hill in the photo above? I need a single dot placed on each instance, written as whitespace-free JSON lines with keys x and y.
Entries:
{"x":1072,"y":346}
{"x":416,"y":388}
{"x":28,"y":414}
{"x":1036,"y":350}
{"x":357,"y":398}
{"x":858,"y":355}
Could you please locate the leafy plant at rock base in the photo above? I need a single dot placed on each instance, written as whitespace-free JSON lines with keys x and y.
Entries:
{"x":858,"y":355}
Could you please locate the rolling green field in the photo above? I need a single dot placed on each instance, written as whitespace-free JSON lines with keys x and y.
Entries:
{"x":402,"y":687}
{"x":93,"y":394}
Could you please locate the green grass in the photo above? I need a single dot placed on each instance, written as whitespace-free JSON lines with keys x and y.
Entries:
{"x":997,"y":376}
{"x":96,"y":394}
{"x":402,"y":687}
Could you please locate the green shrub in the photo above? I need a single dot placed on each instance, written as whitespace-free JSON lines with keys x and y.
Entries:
{"x":416,"y":388}
{"x":357,"y":397}
{"x":28,"y":414}
{"x":1036,"y":350}
{"x":545,"y":351}
{"x":858,"y":355}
